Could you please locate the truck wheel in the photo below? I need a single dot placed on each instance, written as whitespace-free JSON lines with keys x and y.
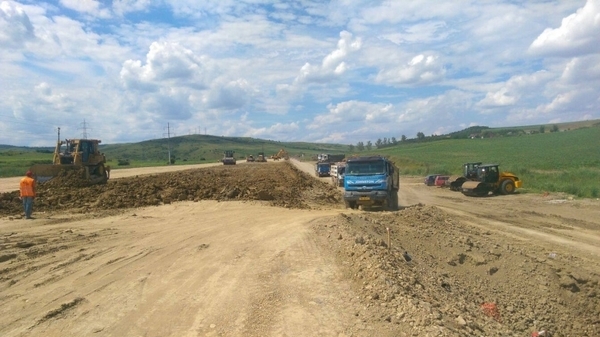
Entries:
{"x":395,"y":201}
{"x":389,"y":203}
{"x":507,"y":187}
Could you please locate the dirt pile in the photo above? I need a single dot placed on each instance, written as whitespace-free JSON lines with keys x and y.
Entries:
{"x":277,"y":184}
{"x":443,"y":278}
{"x":71,"y":178}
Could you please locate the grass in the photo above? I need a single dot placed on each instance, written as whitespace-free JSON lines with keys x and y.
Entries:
{"x":555,"y":162}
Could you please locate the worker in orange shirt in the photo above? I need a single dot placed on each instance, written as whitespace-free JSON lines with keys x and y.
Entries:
{"x":27,"y":187}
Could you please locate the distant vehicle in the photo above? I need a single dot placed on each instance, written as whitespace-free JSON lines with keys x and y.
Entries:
{"x":250,"y":158}
{"x":228,"y":158}
{"x":330,"y":158}
{"x":441,"y":180}
{"x":430,"y":179}
{"x":322,"y":169}
{"x":337,"y":174}
{"x":261,"y":158}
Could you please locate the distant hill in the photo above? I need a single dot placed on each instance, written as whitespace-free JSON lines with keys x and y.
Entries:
{"x":195,"y":148}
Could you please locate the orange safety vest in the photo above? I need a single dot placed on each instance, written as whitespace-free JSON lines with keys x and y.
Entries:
{"x":27,"y":186}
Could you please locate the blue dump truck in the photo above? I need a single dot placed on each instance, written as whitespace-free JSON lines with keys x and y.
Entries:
{"x":322,"y":169}
{"x":371,"y":182}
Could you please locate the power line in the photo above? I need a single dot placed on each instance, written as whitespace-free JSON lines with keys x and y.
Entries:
{"x":84,"y":134}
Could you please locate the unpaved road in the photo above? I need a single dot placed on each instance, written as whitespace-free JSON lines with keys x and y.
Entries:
{"x":244,"y":268}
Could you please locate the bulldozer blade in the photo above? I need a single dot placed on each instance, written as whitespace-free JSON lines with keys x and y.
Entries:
{"x":45,"y":172}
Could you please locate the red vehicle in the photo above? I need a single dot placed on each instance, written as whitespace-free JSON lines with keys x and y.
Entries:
{"x":441,"y":180}
{"x":430,"y":179}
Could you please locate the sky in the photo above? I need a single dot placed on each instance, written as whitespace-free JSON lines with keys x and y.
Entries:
{"x":339,"y":71}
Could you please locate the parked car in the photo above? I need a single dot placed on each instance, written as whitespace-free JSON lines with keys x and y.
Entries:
{"x":430,"y":179}
{"x":441,"y":180}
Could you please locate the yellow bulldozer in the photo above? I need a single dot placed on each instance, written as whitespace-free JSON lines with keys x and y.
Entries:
{"x":488,"y":178}
{"x":77,"y":155}
{"x":282,"y":154}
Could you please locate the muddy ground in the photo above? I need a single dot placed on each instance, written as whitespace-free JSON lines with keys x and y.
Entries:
{"x":267,"y":250}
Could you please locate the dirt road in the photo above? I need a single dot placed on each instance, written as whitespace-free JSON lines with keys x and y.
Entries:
{"x":222,"y":259}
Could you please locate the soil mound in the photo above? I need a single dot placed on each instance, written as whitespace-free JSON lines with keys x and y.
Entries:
{"x":278,"y":184}
{"x":442,"y":278}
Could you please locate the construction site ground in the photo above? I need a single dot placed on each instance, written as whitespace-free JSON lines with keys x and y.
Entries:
{"x":267,"y":249}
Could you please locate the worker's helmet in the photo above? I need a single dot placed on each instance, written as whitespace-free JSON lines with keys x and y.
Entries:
{"x":29,"y":173}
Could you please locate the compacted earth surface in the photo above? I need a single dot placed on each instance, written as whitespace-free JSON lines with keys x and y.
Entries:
{"x":266,"y":249}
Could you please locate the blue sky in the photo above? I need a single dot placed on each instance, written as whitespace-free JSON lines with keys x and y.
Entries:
{"x":325,"y":71}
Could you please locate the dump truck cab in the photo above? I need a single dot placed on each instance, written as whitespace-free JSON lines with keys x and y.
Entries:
{"x":371,"y":182}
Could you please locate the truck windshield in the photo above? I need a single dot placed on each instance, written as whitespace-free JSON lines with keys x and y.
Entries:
{"x":365,"y":168}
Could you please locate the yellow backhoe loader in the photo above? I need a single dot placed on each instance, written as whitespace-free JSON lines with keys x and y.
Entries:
{"x":282,"y":154}
{"x":78,"y":155}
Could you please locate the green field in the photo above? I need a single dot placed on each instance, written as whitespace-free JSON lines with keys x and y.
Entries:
{"x":566,"y":161}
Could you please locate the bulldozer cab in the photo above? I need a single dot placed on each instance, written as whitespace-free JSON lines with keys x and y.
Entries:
{"x":78,"y":152}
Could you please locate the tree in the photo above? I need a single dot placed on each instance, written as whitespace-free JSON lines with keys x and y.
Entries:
{"x":351,"y":148}
{"x":420,"y":135}
{"x":394,"y":140}
{"x":378,"y":143}
{"x":385,"y":141}
{"x":542,"y":129}
{"x":369,"y":145}
{"x":360,"y":146}
{"x":403,"y":138}
{"x":554,"y":128}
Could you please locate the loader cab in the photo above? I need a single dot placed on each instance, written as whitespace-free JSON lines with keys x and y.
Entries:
{"x":470,"y":170}
{"x":488,"y":173}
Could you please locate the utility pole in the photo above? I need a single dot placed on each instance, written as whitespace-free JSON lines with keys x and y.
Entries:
{"x":59,"y":134}
{"x":168,"y":142}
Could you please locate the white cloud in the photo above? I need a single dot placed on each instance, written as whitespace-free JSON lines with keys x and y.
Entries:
{"x":15,"y":26}
{"x":424,"y":32}
{"x":577,"y":34}
{"x":512,"y":91}
{"x":350,"y":112}
{"x":126,"y":6}
{"x":284,"y":71}
{"x":583,"y":69}
{"x":421,"y":69}
{"x":333,"y":65}
{"x":91,"y":8}
{"x":498,"y":99}
{"x":167,"y":63}
{"x":228,"y":96}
